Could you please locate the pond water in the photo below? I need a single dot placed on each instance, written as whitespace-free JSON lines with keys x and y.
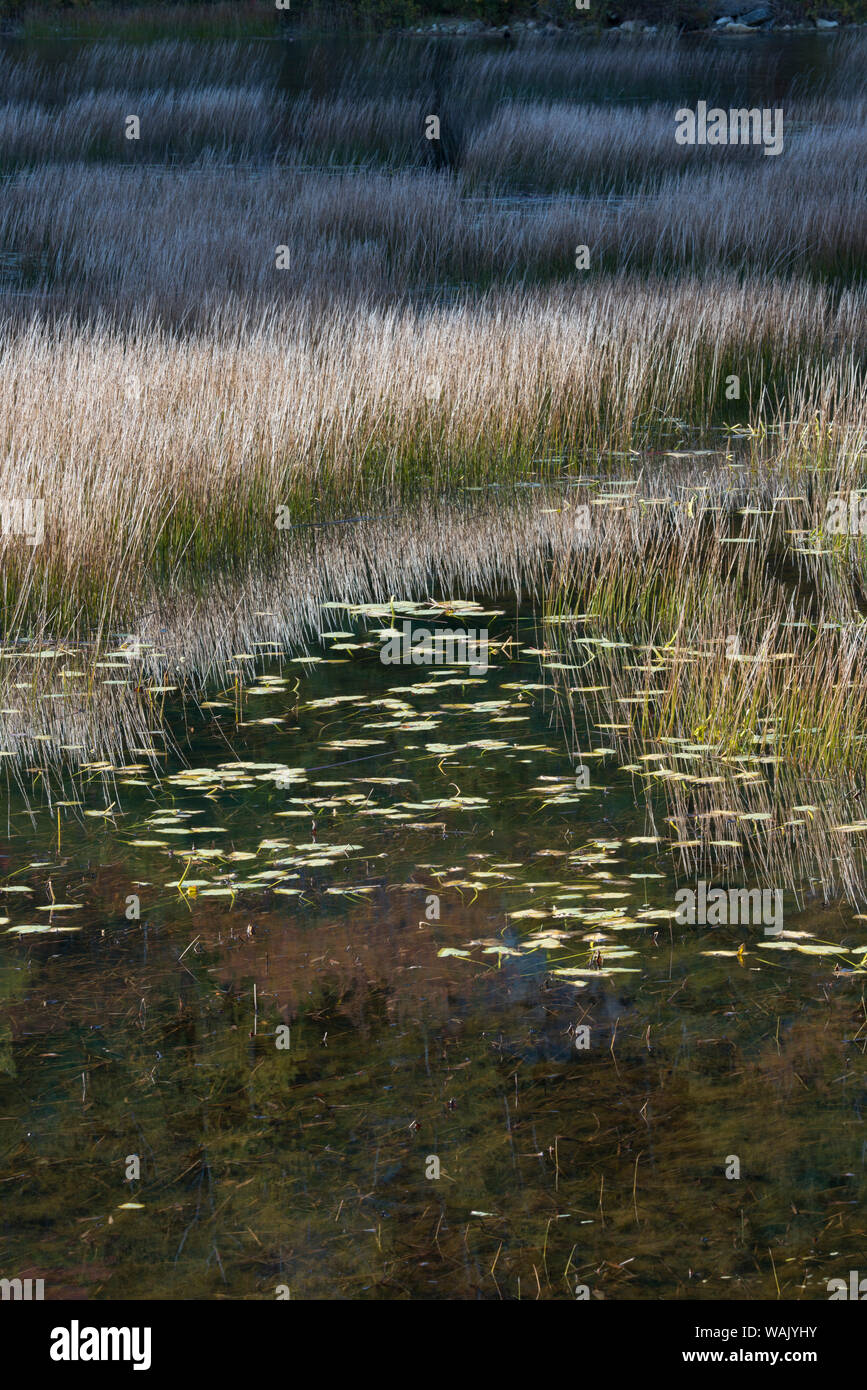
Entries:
{"x":405,"y":1011}
{"x":326,"y":978}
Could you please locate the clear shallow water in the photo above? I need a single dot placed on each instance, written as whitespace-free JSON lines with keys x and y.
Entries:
{"x":304,"y":1167}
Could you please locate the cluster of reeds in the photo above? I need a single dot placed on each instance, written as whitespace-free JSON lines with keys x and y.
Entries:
{"x":583,"y":118}
{"x":227,"y":120}
{"x":714,"y":634}
{"x":187,"y":349}
{"x":132,"y":238}
{"x":157,"y":451}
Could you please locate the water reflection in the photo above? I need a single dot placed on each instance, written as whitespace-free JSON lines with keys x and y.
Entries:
{"x":304,"y":905}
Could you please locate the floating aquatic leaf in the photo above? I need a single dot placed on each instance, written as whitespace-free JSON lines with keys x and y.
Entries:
{"x":41,"y":927}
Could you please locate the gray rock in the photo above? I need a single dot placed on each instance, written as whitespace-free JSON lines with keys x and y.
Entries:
{"x":759,"y":15}
{"x":723,"y":22}
{"x":826,"y":24}
{"x":632,"y":26}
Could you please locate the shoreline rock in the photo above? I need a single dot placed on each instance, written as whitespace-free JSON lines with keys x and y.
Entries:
{"x":743,"y":19}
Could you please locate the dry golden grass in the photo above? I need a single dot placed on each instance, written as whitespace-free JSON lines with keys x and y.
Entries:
{"x":155,"y":449}
{"x":165,"y":387}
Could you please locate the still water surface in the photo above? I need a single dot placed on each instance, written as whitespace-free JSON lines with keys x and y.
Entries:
{"x":386,"y":871}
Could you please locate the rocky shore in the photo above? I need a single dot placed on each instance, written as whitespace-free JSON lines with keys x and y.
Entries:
{"x":728,"y":18}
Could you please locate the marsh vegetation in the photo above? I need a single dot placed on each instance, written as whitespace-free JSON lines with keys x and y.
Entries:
{"x":252,"y":473}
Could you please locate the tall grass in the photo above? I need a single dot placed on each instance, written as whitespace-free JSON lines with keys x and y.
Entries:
{"x":157,"y":448}
{"x":178,"y":243}
{"x":165,"y":388}
{"x":714,"y":633}
{"x":230,"y":121}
